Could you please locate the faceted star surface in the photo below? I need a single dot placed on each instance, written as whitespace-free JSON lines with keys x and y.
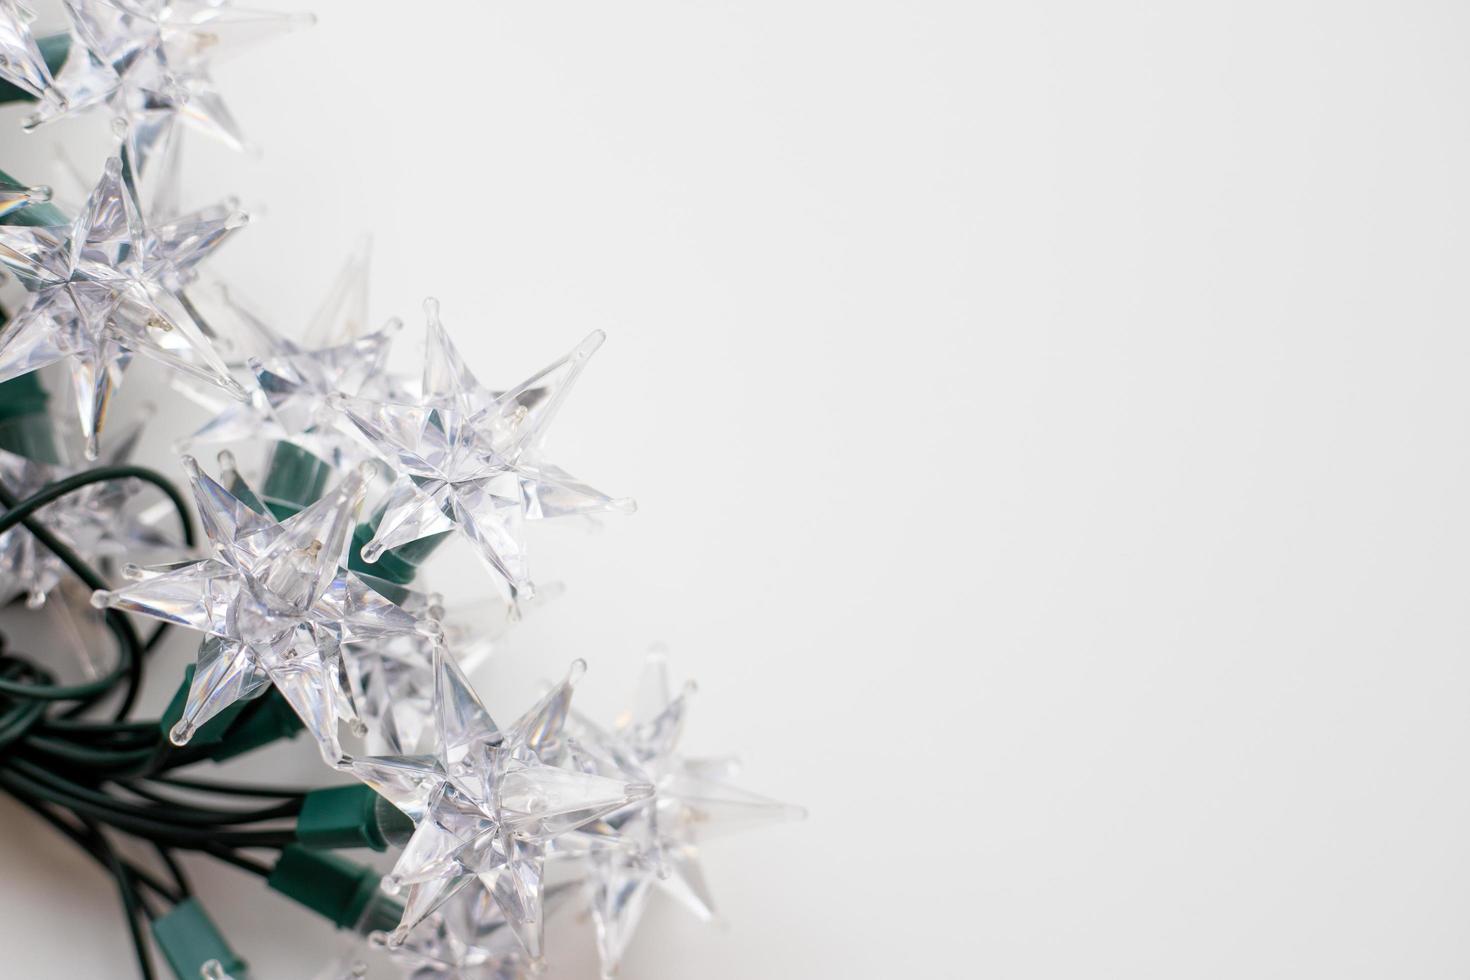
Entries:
{"x":484,"y":805}
{"x":470,"y":459}
{"x":296,"y":380}
{"x":274,"y":601}
{"x":149,"y":60}
{"x":21,"y":63}
{"x":468,"y":938}
{"x":107,"y":287}
{"x":391,"y":681}
{"x":654,"y":843}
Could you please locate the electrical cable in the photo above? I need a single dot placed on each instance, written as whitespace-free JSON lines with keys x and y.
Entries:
{"x":238,"y":860}
{"x":133,"y":908}
{"x":22,"y":511}
{"x":231,"y":789}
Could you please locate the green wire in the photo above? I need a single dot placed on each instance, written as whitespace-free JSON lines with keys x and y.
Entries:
{"x":102,"y":474}
{"x":22,"y":714}
{"x":181,"y":881}
{"x":130,"y":663}
{"x":64,"y":725}
{"x":85,"y":756}
{"x":228,"y":789}
{"x":143,"y":877}
{"x":192,"y":838}
{"x":290,"y":808}
{"x":90,"y":689}
{"x":133,"y":907}
{"x":20,"y":722}
{"x":65,"y":762}
{"x":168,"y":811}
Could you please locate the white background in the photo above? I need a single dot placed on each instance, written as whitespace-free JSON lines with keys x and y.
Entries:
{"x":1048,"y":422}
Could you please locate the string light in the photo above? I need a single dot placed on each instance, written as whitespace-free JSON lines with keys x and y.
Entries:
{"x":306,"y":600}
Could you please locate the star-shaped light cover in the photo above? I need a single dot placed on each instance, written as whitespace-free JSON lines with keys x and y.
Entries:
{"x":484,"y":804}
{"x":469,"y":938}
{"x":106,"y":287}
{"x":392,"y":681}
{"x":294,"y":381}
{"x":96,"y":521}
{"x":275,"y":602}
{"x":149,"y":60}
{"x":654,"y":843}
{"x":471,"y":459}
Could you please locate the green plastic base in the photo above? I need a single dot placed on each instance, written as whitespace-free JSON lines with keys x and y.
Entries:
{"x":350,"y":816}
{"x":345,"y":893}
{"x":189,"y":940}
{"x":294,"y":480}
{"x":25,"y":428}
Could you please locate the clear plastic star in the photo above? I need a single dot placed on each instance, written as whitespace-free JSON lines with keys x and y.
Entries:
{"x":654,"y":843}
{"x":468,"y":938}
{"x":484,"y":804}
{"x":275,"y":602}
{"x":470,"y":459}
{"x":294,"y":381}
{"x":107,"y":287}
{"x":94,"y":521}
{"x":391,"y":681}
{"x":148,"y":61}
{"x":21,"y":63}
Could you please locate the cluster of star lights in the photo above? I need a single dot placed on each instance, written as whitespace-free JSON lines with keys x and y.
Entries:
{"x":308,"y":593}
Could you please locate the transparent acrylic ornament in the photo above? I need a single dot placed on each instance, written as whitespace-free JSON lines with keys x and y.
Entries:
{"x":391,"y":681}
{"x":291,"y":383}
{"x":106,"y":288}
{"x":21,"y":62}
{"x":469,"y":938}
{"x":484,"y":805}
{"x":470,"y":459}
{"x":653,"y":843}
{"x":148,"y":61}
{"x":98,"y":521}
{"x":275,"y":601}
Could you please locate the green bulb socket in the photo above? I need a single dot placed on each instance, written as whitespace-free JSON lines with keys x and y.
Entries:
{"x":349,"y":895}
{"x":350,"y":816}
{"x":191,"y":942}
{"x":25,"y":428}
{"x":294,"y":480}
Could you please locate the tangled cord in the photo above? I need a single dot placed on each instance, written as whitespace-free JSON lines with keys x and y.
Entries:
{"x":89,"y":778}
